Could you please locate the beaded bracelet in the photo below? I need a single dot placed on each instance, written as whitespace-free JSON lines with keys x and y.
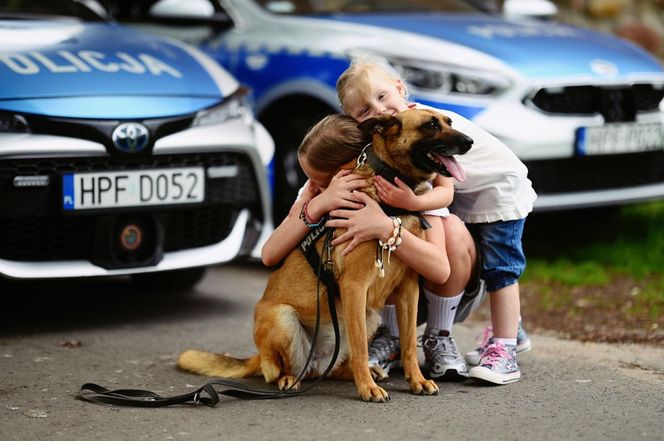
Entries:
{"x":391,"y":245}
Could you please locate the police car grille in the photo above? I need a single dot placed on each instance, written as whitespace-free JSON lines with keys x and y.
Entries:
{"x":596,"y":173}
{"x":614,"y":103}
{"x":36,"y":228}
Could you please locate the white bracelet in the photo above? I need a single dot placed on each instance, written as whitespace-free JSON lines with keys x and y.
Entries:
{"x":391,"y":245}
{"x":393,"y":242}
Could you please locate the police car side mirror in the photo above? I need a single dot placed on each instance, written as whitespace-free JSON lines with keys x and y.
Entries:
{"x":539,"y":9}
{"x":190,"y":12}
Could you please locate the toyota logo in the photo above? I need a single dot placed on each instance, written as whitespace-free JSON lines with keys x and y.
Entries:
{"x":130,"y":137}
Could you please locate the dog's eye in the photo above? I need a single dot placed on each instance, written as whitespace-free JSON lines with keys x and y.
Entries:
{"x":432,"y":124}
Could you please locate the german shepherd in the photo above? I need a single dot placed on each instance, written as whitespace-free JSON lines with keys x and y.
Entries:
{"x":417,"y":143}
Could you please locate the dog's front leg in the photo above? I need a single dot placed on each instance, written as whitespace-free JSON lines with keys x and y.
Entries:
{"x":406,"y":304}
{"x":353,"y":305}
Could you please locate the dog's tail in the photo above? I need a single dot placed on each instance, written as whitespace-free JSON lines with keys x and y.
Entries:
{"x":219,"y":365}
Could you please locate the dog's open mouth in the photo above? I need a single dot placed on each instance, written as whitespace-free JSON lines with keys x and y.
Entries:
{"x":449,"y":164}
{"x":438,"y":159}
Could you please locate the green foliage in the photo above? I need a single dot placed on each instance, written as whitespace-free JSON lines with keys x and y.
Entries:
{"x":589,"y":247}
{"x":573,"y":257}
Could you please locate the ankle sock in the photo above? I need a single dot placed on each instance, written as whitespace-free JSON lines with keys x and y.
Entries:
{"x":389,"y":317}
{"x":441,"y":312}
{"x":505,"y":341}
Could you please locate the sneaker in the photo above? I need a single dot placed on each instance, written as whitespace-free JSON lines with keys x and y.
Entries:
{"x":443,"y":357}
{"x":384,"y":350}
{"x":497,"y":365}
{"x":483,"y":340}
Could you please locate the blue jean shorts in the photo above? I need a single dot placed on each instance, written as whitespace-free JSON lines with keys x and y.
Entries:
{"x":500,"y":251}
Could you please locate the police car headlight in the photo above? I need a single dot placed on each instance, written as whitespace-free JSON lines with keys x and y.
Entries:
{"x":13,"y":123}
{"x":236,"y":106}
{"x":447,"y":79}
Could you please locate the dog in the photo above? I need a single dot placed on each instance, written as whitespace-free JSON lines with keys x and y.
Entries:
{"x":417,"y":143}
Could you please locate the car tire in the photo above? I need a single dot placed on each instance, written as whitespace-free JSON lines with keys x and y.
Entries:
{"x":288,"y":122}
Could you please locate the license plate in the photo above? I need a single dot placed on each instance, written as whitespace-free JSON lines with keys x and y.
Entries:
{"x":83,"y":191}
{"x":620,"y":138}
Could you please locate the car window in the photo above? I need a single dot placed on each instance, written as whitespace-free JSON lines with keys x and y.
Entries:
{"x":36,"y":9}
{"x":299,"y":7}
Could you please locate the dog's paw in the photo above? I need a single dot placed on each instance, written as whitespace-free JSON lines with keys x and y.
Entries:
{"x":424,"y":387}
{"x":378,"y":373}
{"x":288,"y":382}
{"x":374,"y":394}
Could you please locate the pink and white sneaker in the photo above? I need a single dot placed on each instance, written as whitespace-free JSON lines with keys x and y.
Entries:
{"x":497,"y":365}
{"x":483,"y":340}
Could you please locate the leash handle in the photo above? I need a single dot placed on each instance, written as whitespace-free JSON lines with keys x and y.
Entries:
{"x":94,"y":393}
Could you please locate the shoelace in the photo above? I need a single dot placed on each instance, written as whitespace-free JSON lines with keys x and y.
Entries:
{"x":494,"y":353}
{"x":432,"y":342}
{"x":482,"y":340}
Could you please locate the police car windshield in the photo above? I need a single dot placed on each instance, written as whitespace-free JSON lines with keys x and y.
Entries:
{"x":46,"y":9}
{"x":305,"y":7}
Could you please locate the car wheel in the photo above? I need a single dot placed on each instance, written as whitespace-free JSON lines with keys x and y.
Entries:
{"x":288,"y":122}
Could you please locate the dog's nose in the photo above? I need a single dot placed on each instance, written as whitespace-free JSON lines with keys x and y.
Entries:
{"x":465,"y":142}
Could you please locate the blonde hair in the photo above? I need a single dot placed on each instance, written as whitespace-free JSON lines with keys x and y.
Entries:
{"x":357,"y":79}
{"x":332,"y":142}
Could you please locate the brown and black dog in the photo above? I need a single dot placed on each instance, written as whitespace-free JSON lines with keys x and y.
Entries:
{"x":417,"y":143}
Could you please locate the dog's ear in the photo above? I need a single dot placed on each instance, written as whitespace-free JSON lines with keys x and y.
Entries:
{"x":379,"y":124}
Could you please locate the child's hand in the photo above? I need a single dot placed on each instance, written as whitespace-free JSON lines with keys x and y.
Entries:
{"x":364,"y":224}
{"x":338,"y":194}
{"x":398,"y":195}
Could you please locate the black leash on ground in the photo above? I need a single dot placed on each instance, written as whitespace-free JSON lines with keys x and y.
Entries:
{"x":208,"y":395}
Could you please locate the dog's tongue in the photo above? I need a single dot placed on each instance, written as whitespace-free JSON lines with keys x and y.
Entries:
{"x":453,"y":167}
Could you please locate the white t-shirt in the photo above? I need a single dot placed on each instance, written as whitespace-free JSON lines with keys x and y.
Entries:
{"x":497,"y":185}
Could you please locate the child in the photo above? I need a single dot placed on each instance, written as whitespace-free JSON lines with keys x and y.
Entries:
{"x":333,"y":142}
{"x":493,"y":200}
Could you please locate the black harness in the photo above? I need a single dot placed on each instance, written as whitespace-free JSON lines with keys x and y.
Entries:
{"x":208,"y":395}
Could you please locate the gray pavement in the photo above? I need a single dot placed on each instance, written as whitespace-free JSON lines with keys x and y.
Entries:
{"x":130,"y":339}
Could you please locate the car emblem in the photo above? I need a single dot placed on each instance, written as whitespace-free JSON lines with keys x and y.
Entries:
{"x":130,"y":137}
{"x":131,"y":237}
{"x":604,"y":68}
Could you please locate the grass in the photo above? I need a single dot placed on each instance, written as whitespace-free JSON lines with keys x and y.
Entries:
{"x":597,"y":269}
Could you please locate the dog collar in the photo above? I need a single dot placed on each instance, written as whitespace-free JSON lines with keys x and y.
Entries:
{"x":381,"y":168}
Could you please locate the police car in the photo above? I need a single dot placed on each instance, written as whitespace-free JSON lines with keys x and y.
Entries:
{"x":582,"y":109}
{"x":121,"y":153}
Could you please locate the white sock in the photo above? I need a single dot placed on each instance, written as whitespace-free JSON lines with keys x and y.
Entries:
{"x":441,"y":312}
{"x":505,"y":341}
{"x":389,"y":316}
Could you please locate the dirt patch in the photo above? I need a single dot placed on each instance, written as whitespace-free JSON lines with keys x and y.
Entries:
{"x":614,"y":313}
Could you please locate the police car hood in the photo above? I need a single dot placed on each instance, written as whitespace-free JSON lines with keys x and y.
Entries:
{"x":51,"y":59}
{"x":535,"y":49}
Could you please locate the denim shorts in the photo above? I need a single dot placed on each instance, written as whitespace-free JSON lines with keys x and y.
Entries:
{"x":500,"y":251}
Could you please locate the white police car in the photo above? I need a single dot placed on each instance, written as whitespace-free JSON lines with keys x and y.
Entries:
{"x":582,"y":109}
{"x":121,"y":153}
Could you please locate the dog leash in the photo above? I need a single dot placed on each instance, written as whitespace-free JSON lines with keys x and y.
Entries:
{"x":207,"y":394}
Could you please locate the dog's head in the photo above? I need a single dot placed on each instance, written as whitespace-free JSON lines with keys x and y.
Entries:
{"x":418,"y":143}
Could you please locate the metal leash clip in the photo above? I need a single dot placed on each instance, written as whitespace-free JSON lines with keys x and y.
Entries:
{"x":362,"y":159}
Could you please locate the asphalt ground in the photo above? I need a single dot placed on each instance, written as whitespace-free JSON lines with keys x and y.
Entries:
{"x":56,"y":336}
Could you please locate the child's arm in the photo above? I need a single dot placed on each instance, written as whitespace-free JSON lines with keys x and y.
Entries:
{"x":293,"y":230}
{"x":399,"y":195}
{"x":427,"y":257}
